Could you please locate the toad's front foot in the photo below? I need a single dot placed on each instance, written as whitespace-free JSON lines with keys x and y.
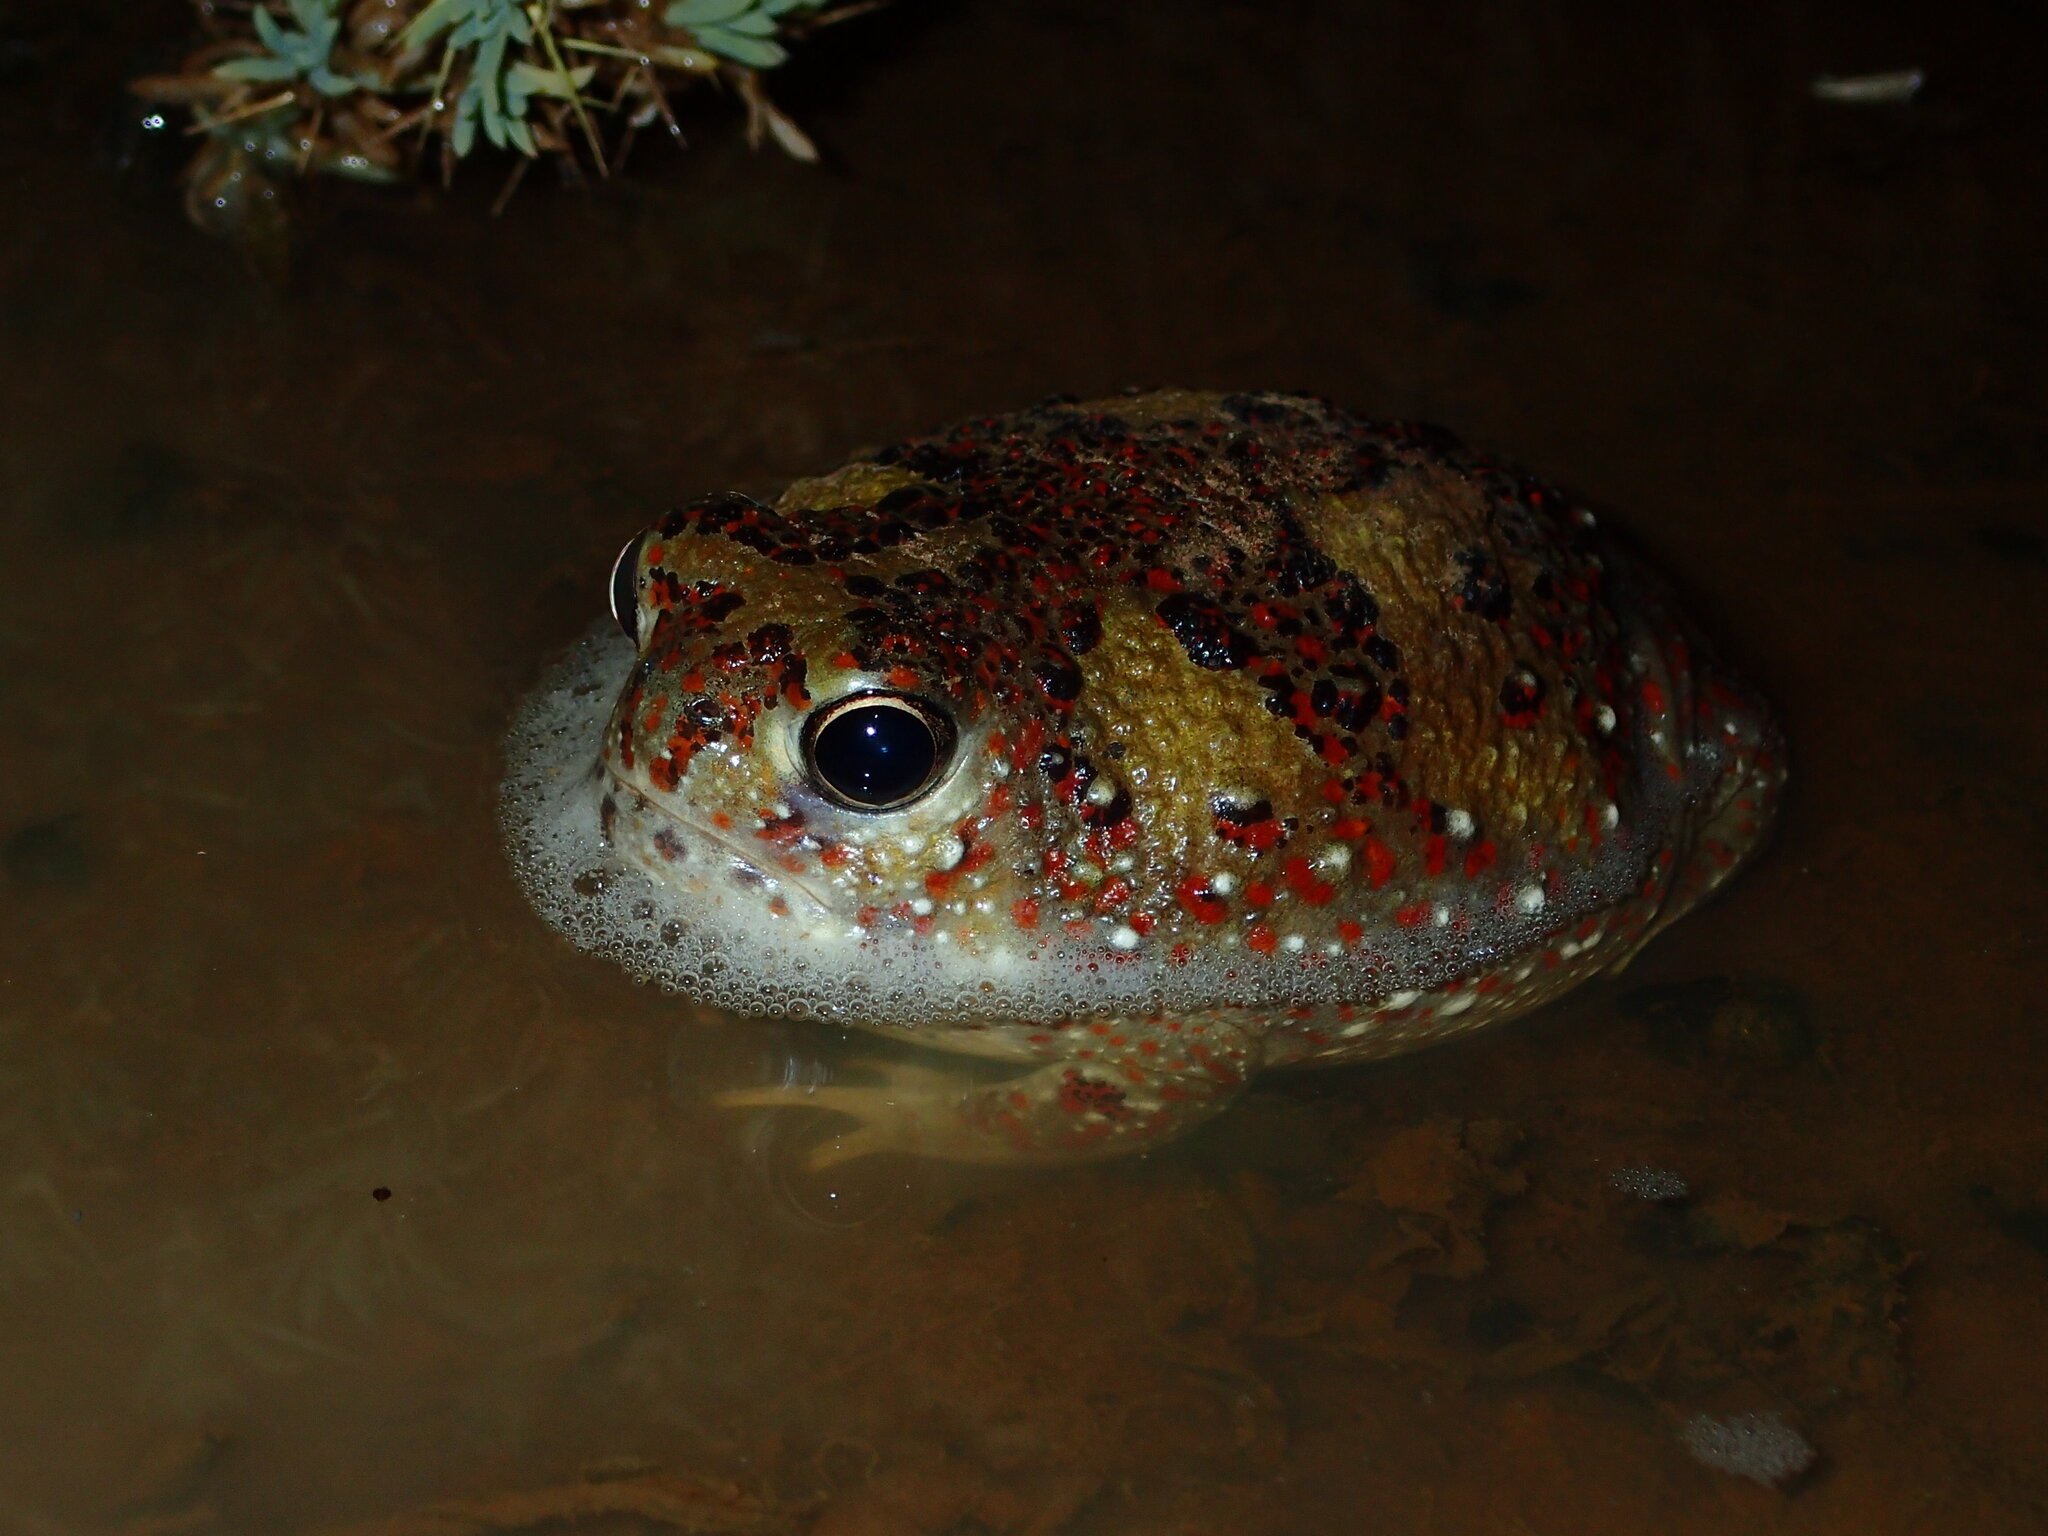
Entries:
{"x":1070,"y":1109}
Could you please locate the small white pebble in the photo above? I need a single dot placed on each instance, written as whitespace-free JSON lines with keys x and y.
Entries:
{"x":948,"y":851}
{"x":1603,"y":718}
{"x":1123,"y":936}
{"x":1758,"y":1446}
{"x":1529,"y":899}
{"x":1223,"y":884}
{"x":921,"y":906}
{"x":1458,"y":824}
{"x":1294,"y":943}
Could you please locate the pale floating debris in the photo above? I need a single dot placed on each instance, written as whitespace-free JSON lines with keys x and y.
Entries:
{"x":1648,"y":1183}
{"x":1893,"y":85}
{"x":1758,"y":1446}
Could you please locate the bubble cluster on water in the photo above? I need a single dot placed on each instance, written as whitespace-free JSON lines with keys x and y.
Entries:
{"x":1646,"y":1182}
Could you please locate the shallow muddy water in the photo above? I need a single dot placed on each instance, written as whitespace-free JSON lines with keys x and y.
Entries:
{"x":338,"y":1193}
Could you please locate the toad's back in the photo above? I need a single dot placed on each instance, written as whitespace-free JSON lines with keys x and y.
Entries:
{"x":1241,"y":715}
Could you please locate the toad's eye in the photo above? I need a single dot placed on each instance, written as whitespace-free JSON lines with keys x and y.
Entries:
{"x":877,"y":751}
{"x":626,"y":589}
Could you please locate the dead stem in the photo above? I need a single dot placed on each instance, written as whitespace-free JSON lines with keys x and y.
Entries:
{"x":504,"y":197}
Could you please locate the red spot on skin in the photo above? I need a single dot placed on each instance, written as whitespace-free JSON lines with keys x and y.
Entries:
{"x":1259,"y":894}
{"x":1161,"y":580}
{"x":1653,"y":697}
{"x":1350,"y":932}
{"x":846,"y":661}
{"x":1030,"y":742}
{"x":1201,"y":902}
{"x":835,"y":855}
{"x":1115,"y":893}
{"x":1379,"y":863}
{"x":1480,"y":856}
{"x":1334,"y":791}
{"x":720,"y":820}
{"x":1143,"y":923}
{"x":938,"y":881}
{"x":1082,"y":1095}
{"x":1181,"y":954}
{"x":1414,"y":915}
{"x":1433,"y":850}
{"x":1301,"y":879}
{"x":1024,"y":913}
{"x":1262,"y":939}
{"x":1258,"y":836}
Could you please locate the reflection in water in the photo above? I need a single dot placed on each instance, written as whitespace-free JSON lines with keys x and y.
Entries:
{"x":277,"y":564}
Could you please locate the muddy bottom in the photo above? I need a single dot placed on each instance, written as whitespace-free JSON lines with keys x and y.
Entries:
{"x":339,"y":1194}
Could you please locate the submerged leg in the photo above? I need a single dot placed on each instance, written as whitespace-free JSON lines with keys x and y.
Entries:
{"x":1101,"y":1088}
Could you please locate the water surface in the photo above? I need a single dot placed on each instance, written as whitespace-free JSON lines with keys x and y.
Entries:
{"x":334,"y":1186}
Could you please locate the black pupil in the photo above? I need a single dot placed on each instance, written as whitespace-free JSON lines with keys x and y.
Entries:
{"x":875,"y":754}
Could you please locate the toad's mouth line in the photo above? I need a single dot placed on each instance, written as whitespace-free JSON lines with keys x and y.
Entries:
{"x":748,"y":859}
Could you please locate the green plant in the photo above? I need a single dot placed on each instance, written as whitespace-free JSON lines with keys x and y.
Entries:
{"x":300,"y":55}
{"x":366,"y":90}
{"x":740,"y":30}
